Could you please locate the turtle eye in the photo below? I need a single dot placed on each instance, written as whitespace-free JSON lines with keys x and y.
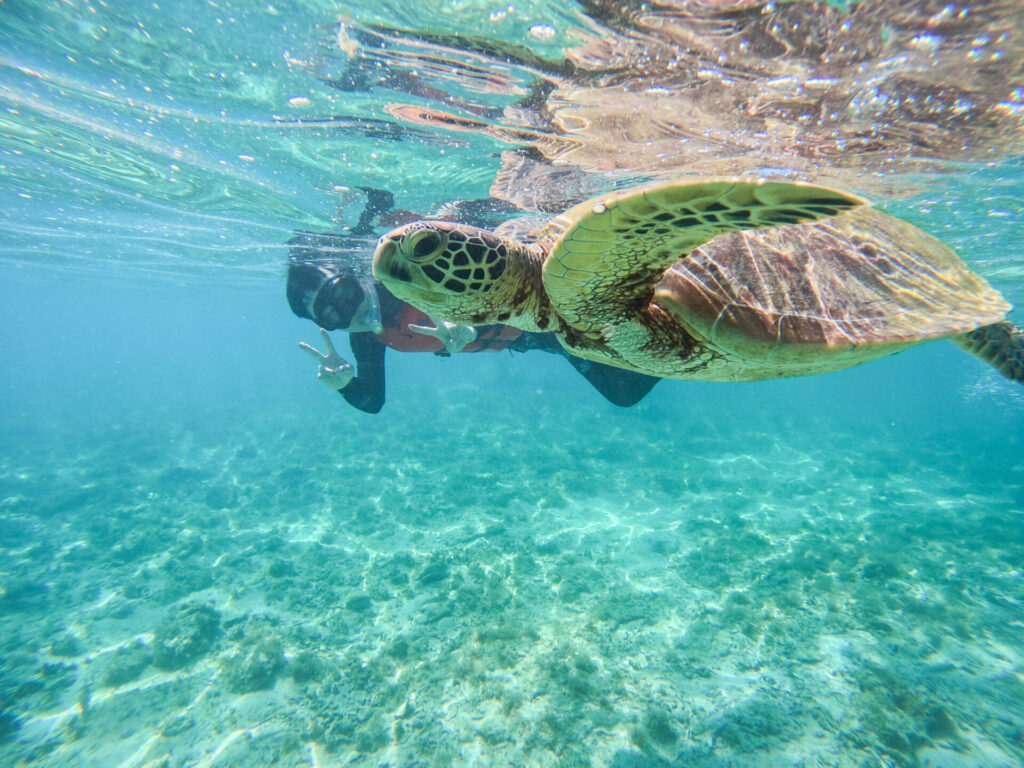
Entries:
{"x":424,"y":245}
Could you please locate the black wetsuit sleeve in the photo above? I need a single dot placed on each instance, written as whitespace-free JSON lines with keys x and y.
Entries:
{"x":619,"y":386}
{"x":366,"y":390}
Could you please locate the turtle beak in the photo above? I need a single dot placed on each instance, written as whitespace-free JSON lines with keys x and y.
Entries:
{"x":386,"y":267}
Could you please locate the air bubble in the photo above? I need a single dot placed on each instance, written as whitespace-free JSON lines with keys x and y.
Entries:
{"x":543,"y":31}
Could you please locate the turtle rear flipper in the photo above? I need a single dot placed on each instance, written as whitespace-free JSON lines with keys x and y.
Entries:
{"x":1001,"y":345}
{"x":607,"y":254}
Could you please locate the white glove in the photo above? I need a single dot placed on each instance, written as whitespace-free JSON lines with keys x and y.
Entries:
{"x":334,"y":371}
{"x":454,"y":337}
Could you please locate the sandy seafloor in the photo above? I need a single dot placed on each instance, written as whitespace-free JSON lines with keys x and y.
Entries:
{"x":495,"y":572}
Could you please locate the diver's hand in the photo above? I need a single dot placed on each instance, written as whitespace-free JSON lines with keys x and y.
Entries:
{"x":334,"y":371}
{"x":454,"y":337}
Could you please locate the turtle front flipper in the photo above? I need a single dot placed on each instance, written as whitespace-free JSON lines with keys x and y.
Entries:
{"x":1001,"y":345}
{"x":607,"y":254}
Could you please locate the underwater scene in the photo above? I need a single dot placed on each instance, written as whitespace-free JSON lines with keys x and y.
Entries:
{"x":548,"y":520}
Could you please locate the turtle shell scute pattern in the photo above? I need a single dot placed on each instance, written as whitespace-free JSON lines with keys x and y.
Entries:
{"x":860,"y":278}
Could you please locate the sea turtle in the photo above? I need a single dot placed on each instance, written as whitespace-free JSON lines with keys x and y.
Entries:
{"x":710,"y":279}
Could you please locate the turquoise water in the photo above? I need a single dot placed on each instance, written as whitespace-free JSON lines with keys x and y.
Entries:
{"x":208,"y":559}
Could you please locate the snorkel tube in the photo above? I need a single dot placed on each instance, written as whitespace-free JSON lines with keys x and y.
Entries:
{"x":372,"y":316}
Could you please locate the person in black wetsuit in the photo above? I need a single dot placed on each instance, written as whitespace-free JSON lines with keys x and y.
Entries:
{"x":330,"y":282}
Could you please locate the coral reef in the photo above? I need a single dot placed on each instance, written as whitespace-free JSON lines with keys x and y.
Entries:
{"x":185,"y":634}
{"x":126,"y":664}
{"x":774,"y":606}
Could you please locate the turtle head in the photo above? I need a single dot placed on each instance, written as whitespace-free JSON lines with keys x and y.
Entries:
{"x":450,"y":271}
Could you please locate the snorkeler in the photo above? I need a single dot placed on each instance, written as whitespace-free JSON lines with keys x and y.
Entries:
{"x":330,"y":282}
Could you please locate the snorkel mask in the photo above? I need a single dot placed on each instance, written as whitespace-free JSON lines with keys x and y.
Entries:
{"x":345,"y":303}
